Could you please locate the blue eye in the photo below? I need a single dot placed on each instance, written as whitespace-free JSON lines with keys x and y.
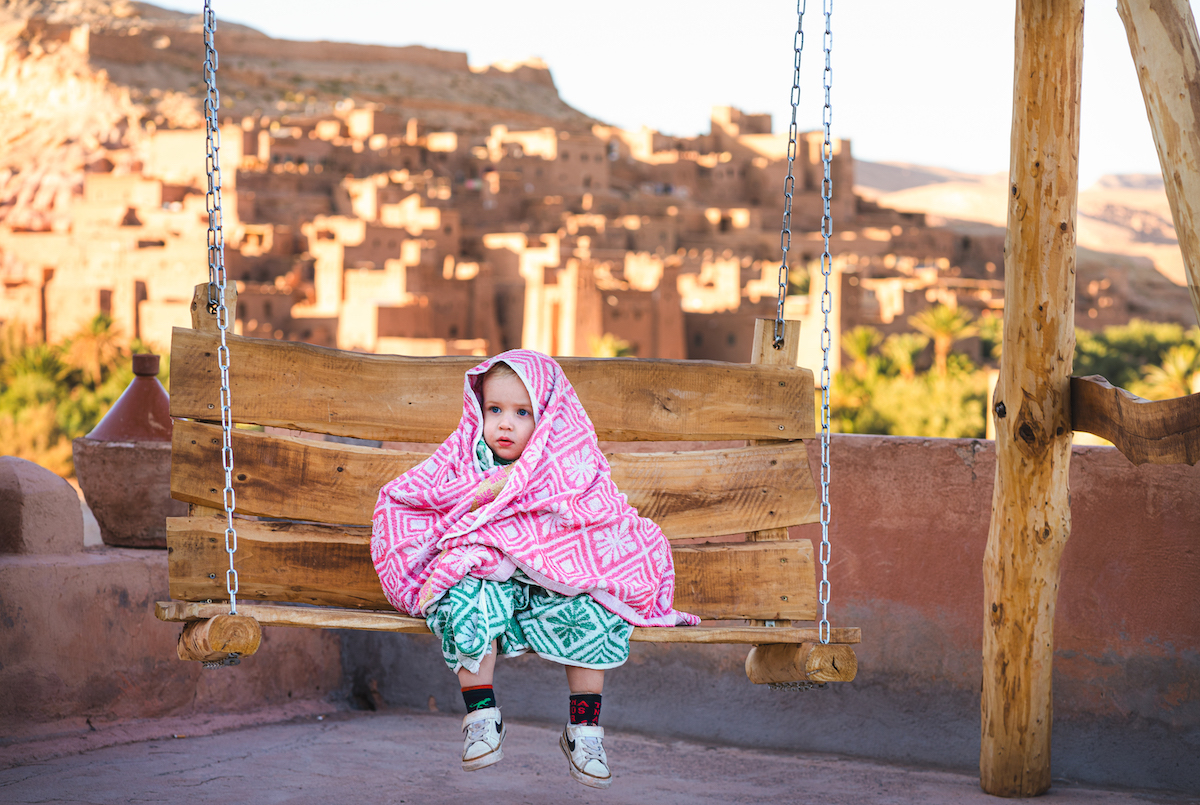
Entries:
{"x":495,"y":409}
{"x":522,"y":412}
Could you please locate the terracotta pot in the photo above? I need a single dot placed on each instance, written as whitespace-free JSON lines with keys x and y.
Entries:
{"x":124,"y":464}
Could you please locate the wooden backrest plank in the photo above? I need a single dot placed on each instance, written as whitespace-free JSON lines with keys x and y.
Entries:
{"x":394,"y":398}
{"x":689,"y":494}
{"x":331,"y":566}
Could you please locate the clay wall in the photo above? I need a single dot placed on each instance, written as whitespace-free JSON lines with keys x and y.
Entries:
{"x":909,"y":525}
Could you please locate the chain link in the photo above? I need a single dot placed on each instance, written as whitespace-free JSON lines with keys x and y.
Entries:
{"x":796,"y":687}
{"x":826,"y":308}
{"x":217,"y":281}
{"x":232,"y":659}
{"x":789,"y":184}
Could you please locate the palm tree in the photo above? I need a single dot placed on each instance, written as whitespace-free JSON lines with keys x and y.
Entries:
{"x":902,"y":350}
{"x":858,"y":343}
{"x":95,"y":348}
{"x":945,"y":325}
{"x":1178,"y":376}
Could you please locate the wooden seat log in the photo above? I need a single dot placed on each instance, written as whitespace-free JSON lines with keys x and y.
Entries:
{"x":304,"y":505}
{"x":218,"y":637}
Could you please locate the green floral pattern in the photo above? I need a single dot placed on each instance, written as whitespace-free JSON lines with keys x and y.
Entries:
{"x":573,"y":630}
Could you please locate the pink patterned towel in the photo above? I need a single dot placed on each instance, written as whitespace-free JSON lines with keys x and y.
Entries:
{"x":555,"y":514}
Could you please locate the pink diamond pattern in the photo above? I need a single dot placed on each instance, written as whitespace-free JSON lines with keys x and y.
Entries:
{"x":560,"y":518}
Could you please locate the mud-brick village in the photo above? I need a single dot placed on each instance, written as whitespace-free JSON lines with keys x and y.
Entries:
{"x":849,"y":481}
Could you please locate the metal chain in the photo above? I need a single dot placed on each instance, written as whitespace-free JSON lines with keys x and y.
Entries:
{"x":233,"y":659}
{"x":797,"y":687}
{"x":826,"y":308}
{"x":216,"y":286}
{"x":789,"y":184}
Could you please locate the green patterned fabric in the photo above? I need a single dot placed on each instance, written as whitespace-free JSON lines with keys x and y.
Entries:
{"x":572,"y":630}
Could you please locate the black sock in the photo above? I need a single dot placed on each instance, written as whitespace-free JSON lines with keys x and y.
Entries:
{"x":585,"y":708}
{"x":479,"y":697}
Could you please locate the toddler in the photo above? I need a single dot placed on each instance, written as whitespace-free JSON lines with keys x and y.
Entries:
{"x":511,"y":538}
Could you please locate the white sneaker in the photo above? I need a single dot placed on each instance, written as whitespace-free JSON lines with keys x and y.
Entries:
{"x":484,"y":735}
{"x":584,"y":747}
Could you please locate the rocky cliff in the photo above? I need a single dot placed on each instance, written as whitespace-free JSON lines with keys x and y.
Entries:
{"x":82,"y":81}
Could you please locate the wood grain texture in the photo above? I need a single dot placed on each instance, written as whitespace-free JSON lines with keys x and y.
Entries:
{"x":764,"y":353}
{"x":1166,"y":51}
{"x":331,"y":566}
{"x":205,"y":321}
{"x":807,"y":662}
{"x":218,"y":637}
{"x":702,"y":493}
{"x":332,"y":618}
{"x":1031,"y":517}
{"x":394,"y":398}
{"x":1145,"y":431}
{"x":765,"y":580}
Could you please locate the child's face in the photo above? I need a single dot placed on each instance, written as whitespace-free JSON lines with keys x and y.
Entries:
{"x":507,"y":415}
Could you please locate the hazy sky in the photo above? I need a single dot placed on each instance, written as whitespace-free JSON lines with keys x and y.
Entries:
{"x":928,"y":83}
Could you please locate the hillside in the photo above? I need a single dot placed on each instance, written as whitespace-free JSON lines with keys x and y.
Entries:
{"x":1126,"y":216}
{"x":81,"y":81}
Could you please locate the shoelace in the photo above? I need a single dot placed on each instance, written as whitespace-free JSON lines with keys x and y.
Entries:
{"x":592,"y":749}
{"x":477,"y":730}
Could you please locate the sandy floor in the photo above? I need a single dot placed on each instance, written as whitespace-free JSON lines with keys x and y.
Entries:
{"x":404,"y":757}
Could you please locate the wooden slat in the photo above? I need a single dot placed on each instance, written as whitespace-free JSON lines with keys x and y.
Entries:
{"x":331,"y":566}
{"x":689,"y":494}
{"x":394,"y":398}
{"x":1146,"y":432}
{"x":331,"y":618}
{"x":767,"y":580}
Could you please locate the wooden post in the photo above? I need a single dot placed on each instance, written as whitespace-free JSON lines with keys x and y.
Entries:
{"x":764,"y":353}
{"x":1166,"y":51}
{"x":1031,"y":517}
{"x":206,"y":322}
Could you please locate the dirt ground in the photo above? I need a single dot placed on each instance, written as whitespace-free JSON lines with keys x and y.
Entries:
{"x":399,"y":757}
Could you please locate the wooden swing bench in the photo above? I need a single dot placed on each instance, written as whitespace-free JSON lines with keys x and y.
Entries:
{"x":303,"y":554}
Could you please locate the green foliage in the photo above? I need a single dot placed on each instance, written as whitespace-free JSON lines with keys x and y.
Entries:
{"x":609,"y":346}
{"x":901,"y":351}
{"x":52,"y":393}
{"x":1122,"y":353}
{"x":1177,"y":376}
{"x":991,"y":337}
{"x":858,"y":343}
{"x":929,"y":404}
{"x":944,"y":325}
{"x":880,"y":392}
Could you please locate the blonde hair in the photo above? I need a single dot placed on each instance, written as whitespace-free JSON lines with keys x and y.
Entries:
{"x":499,"y":369}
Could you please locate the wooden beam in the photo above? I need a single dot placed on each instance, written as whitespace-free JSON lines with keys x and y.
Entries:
{"x":1145,"y":431}
{"x":331,"y":566}
{"x":218,"y":637}
{"x":1166,"y":51}
{"x":395,"y":398}
{"x":807,"y":662}
{"x":330,"y":618}
{"x":763,"y":353}
{"x":205,"y":321}
{"x":703,"y":493}
{"x":1031,"y":517}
